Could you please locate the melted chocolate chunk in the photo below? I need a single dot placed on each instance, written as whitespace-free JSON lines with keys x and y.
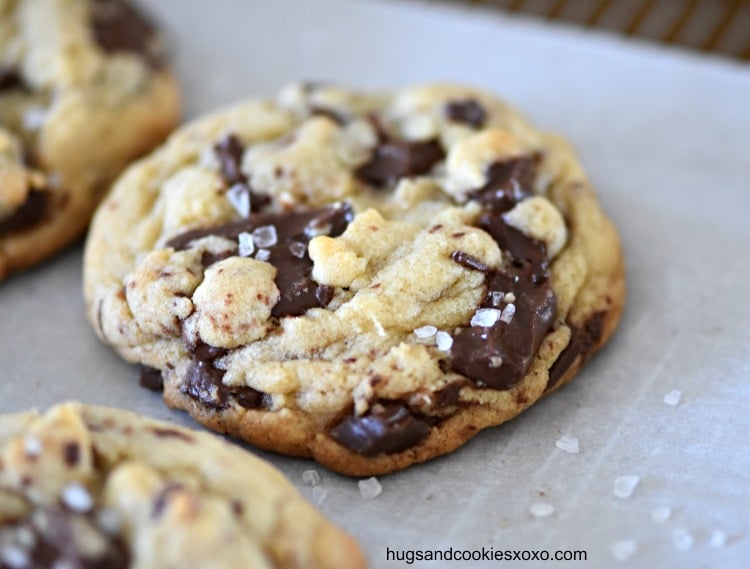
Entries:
{"x":229,"y":152}
{"x":396,"y":159}
{"x":10,"y":78}
{"x":499,"y":356}
{"x":150,"y":378}
{"x":58,"y":540}
{"x":299,"y":292}
{"x":467,"y":111}
{"x":33,"y":211}
{"x":118,"y":26}
{"x":508,"y":183}
{"x":386,"y":429}
{"x":580,"y":344}
{"x":203,"y":382}
{"x":450,"y":395}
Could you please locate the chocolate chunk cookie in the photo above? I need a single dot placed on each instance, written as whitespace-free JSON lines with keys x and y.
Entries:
{"x":83,"y":90}
{"x":93,"y":487}
{"x":366,"y":279}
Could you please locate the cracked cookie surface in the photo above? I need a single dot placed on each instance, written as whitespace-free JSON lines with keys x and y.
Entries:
{"x":95,"y":487}
{"x":367,"y":279}
{"x":83,"y":90}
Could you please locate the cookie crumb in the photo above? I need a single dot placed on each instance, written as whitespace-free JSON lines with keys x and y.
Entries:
{"x":444,"y":341}
{"x":542,"y":510}
{"x":370,"y":488}
{"x":77,"y":498}
{"x":310,"y":477}
{"x":425,"y":332}
{"x":682,"y":539}
{"x":485,"y":317}
{"x":319,"y":495}
{"x":661,"y":514}
{"x":32,"y":446}
{"x":568,"y":443}
{"x":239,"y":197}
{"x":624,"y":485}
{"x":718,"y":539}
{"x":624,"y":549}
{"x":246,"y":244}
{"x":673,"y":397}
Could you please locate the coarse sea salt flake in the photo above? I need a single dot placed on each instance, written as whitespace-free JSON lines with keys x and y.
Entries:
{"x":15,"y":557}
{"x":32,"y":446}
{"x":310,"y":477}
{"x":263,"y":255}
{"x":425,"y":332}
{"x":718,"y":538}
{"x":444,"y":341}
{"x":673,"y":397}
{"x":542,"y":510}
{"x":485,"y":317}
{"x":319,"y":495}
{"x":265,"y":236}
{"x":239,"y":196}
{"x":661,"y":514}
{"x":624,"y":549}
{"x":568,"y":443}
{"x":497,"y":297}
{"x":370,"y":488}
{"x":682,"y":539}
{"x":246,"y":244}
{"x":624,"y":485}
{"x":77,"y":498}
{"x":496,"y":361}
{"x":508,"y":313}
{"x":297,"y":249}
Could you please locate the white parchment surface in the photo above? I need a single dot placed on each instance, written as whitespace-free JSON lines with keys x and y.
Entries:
{"x":665,"y":136}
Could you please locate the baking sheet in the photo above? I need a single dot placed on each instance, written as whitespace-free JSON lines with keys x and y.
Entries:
{"x":666,"y":139}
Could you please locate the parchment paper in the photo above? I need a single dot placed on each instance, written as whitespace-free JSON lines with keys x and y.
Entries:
{"x":665,"y":136}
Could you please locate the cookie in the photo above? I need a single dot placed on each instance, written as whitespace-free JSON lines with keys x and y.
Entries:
{"x":94,"y":487}
{"x":83,"y":91}
{"x":366,"y":279}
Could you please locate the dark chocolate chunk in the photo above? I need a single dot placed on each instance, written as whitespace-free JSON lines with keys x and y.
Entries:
{"x":298,"y":291}
{"x":10,"y":78}
{"x":450,"y":395}
{"x":387,"y":428}
{"x":396,"y":159}
{"x":466,"y":260}
{"x":229,"y":152}
{"x":119,"y":27}
{"x":499,"y":356}
{"x":71,"y":454}
{"x":580,"y":344}
{"x":336,"y":116}
{"x":150,"y":378}
{"x":203,"y":382}
{"x":57,"y":539}
{"x":508,"y":183}
{"x":167,"y":433}
{"x":33,"y":211}
{"x":467,"y":111}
